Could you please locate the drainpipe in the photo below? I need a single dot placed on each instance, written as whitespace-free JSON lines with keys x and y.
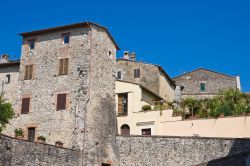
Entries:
{"x":238,"y":85}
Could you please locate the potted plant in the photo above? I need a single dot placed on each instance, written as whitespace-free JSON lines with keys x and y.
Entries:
{"x":59,"y":144}
{"x":19,"y":133}
{"x":41,"y":139}
{"x":146,"y":107}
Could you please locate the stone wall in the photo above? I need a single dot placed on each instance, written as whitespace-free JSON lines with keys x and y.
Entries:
{"x":23,"y":153}
{"x":214,"y":81}
{"x":241,"y":159}
{"x":159,"y":150}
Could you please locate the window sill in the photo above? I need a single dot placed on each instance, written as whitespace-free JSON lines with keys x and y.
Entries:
{"x":122,"y":115}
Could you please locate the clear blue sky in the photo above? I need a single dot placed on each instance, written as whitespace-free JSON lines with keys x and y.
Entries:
{"x":180,"y":35}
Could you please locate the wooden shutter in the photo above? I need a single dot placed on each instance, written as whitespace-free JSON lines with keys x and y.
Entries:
{"x":61,"y":67}
{"x":26,"y":72}
{"x":25,"y":106}
{"x":120,"y":105}
{"x":136,"y":73}
{"x":30,"y":71}
{"x":61,"y":102}
{"x":65,"y":67}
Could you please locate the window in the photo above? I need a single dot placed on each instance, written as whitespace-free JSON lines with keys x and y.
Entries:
{"x":61,"y":102}
{"x":32,"y":44}
{"x":137,"y":73}
{"x":31,"y":133}
{"x":25,"y":106}
{"x":63,"y":66}
{"x":119,"y":75}
{"x":123,"y":104}
{"x":146,"y":131}
{"x":125,"y":129}
{"x":28,"y":72}
{"x":66,"y":38}
{"x":202,"y":87}
{"x":105,"y":164}
{"x":7,"y":79}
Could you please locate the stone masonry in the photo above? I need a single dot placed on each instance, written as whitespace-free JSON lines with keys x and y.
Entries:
{"x":189,"y":83}
{"x":16,"y":152}
{"x":9,"y":74}
{"x":152,"y":77}
{"x":88,"y":122}
{"x":134,"y":151}
{"x":178,"y":151}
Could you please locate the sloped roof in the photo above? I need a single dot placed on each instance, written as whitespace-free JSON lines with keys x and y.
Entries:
{"x":6,"y":62}
{"x":205,"y":70}
{"x":80,"y":24}
{"x":159,"y":67}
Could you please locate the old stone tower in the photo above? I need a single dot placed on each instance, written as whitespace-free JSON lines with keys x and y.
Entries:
{"x":67,"y":81}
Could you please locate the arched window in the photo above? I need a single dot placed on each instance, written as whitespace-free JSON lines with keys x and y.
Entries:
{"x":125,"y":129}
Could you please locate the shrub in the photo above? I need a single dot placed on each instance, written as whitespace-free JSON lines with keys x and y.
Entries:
{"x":18,"y":132}
{"x":202,"y":113}
{"x":146,"y":107}
{"x":215,"y":113}
{"x":41,"y":138}
{"x":6,"y":113}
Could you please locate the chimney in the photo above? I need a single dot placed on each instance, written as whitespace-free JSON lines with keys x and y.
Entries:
{"x":126,"y":55}
{"x":5,"y":56}
{"x":238,"y":84}
{"x":132,"y":56}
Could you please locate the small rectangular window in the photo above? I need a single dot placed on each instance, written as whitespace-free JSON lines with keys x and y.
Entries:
{"x":123,"y":104}
{"x":7,"y":79}
{"x":28,"y":72}
{"x":136,"y":73}
{"x":119,"y":75}
{"x":63,"y":66}
{"x":25,"y":106}
{"x":146,"y":131}
{"x":66,"y":39}
{"x":31,"y":133}
{"x":32,"y":44}
{"x":61,"y":102}
{"x":202,"y":87}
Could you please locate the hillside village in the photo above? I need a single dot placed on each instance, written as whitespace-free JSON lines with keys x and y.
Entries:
{"x":69,"y":90}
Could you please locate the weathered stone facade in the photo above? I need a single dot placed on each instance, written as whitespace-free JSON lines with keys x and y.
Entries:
{"x":152,"y":77}
{"x":9,"y":74}
{"x":172,"y":151}
{"x":14,"y":152}
{"x":134,"y":151}
{"x":88,"y":122}
{"x":189,"y":83}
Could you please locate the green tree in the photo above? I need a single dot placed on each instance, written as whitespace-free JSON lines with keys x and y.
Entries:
{"x":191,"y":104}
{"x":6,"y":113}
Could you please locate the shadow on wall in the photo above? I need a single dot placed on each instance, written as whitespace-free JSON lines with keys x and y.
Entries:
{"x":239,"y":155}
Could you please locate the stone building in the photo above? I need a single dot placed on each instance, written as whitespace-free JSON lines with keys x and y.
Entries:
{"x":202,"y":83}
{"x":66,"y":94}
{"x":153,"y":77}
{"x":9,"y":74}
